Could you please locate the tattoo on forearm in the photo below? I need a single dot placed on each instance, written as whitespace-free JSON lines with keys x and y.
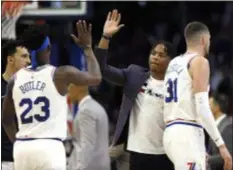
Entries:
{"x":92,"y":63}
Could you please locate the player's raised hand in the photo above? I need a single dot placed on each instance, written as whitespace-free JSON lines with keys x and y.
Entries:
{"x":226,"y":157}
{"x":112,"y":22}
{"x":84,"y":38}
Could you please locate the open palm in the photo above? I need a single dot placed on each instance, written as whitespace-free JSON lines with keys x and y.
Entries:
{"x":84,"y":38}
{"x":112,"y":22}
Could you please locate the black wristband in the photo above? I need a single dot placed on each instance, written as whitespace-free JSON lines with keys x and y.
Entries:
{"x":106,"y":37}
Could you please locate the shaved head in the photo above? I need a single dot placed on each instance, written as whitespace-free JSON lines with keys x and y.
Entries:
{"x":76,"y":93}
{"x":197,"y":35}
{"x":194,"y":30}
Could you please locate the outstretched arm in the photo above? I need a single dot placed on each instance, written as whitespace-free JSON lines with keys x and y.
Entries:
{"x":69,"y":74}
{"x":111,"y":26}
{"x":66,"y":75}
{"x":84,"y":40}
{"x":8,"y":113}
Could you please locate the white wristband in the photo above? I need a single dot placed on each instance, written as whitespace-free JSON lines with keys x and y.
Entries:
{"x":207,"y":118}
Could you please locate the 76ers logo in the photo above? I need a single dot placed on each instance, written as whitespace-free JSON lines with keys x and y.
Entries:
{"x":194,"y":166}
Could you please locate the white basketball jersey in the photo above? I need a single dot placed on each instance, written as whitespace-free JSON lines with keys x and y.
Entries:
{"x":41,"y":111}
{"x":179,"y":96}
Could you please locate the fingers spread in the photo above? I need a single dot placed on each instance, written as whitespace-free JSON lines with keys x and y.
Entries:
{"x":80,"y":28}
{"x":114,"y":15}
{"x":90,"y":28}
{"x":120,"y":26}
{"x":73,"y":37}
{"x":109,"y":16}
{"x":84,"y":25}
{"x":118,"y":20}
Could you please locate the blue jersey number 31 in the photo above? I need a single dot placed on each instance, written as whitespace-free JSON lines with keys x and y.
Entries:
{"x":40,"y":117}
{"x":171,"y":90}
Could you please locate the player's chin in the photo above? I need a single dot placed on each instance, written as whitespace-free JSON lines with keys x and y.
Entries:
{"x":21,"y":66}
{"x":25,"y":65}
{"x":154,"y":67}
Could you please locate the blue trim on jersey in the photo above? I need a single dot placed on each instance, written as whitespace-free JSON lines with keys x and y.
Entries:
{"x":75,"y":109}
{"x":28,"y":139}
{"x":184,"y":123}
{"x":42,"y":47}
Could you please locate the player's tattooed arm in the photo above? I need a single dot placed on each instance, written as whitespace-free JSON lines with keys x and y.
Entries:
{"x":92,"y":64}
{"x":8,"y":112}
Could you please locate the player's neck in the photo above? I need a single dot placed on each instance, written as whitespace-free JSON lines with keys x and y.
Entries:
{"x":195,"y":49}
{"x":157,"y":76}
{"x":217,"y":115}
{"x":81,"y":97}
{"x":9,"y":72}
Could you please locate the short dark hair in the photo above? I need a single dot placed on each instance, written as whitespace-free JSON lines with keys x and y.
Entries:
{"x":170,"y":49}
{"x":9,"y":49}
{"x":34,"y":36}
{"x":193,"y":28}
{"x":222,"y":101}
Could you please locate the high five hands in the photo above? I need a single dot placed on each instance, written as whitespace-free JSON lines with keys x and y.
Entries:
{"x":112,"y":22}
{"x":84,"y":38}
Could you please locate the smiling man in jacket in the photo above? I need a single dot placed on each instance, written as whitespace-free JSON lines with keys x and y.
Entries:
{"x":140,"y":123}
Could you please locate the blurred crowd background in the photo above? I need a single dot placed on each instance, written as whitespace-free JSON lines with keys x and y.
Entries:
{"x":145,"y":22}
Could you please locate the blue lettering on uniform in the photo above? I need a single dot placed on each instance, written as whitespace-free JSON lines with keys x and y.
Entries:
{"x":32,"y":85}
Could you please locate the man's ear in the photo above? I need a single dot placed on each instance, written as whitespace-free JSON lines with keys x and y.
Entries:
{"x":218,"y":108}
{"x":10,"y":59}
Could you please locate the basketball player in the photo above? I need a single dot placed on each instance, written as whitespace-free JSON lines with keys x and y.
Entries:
{"x":37,"y":96}
{"x":14,"y":56}
{"x":186,"y":109}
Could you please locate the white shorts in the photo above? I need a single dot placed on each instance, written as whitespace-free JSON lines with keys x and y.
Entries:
{"x":185,"y":145}
{"x":39,"y":154}
{"x":7,"y":165}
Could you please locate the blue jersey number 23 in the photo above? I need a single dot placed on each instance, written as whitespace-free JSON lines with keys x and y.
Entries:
{"x":40,"y":117}
{"x":171,"y":91}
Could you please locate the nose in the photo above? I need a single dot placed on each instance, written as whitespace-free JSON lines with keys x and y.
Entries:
{"x":28,"y":60}
{"x":155,"y":57}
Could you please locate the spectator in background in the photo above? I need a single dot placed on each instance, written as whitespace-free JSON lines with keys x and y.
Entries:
{"x":219,"y":106}
{"x":226,"y":87}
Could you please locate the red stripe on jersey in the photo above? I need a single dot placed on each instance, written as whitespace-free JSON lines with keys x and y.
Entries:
{"x":142,"y":90}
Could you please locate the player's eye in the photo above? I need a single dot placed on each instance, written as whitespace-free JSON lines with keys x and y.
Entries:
{"x":24,"y":55}
{"x":153,"y":53}
{"x":162,"y":55}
